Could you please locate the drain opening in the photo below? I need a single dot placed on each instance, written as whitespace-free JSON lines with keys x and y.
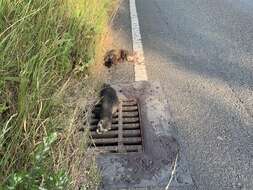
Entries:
{"x":125,"y":135}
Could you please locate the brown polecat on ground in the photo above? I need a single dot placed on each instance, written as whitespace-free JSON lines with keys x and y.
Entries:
{"x":114,"y":57}
{"x":109,"y":106}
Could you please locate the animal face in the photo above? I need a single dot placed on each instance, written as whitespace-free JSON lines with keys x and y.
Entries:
{"x":110,"y":58}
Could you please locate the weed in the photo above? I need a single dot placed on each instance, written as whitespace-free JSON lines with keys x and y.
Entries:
{"x":41,"y":42}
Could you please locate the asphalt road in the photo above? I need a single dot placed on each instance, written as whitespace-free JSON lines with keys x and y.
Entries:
{"x":202,"y":53}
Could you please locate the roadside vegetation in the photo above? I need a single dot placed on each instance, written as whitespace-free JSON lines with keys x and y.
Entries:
{"x":46,"y":48}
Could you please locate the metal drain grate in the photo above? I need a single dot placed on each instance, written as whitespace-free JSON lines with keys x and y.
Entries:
{"x":125,"y":135}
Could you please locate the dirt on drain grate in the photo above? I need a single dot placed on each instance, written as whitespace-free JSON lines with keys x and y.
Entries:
{"x":125,"y":135}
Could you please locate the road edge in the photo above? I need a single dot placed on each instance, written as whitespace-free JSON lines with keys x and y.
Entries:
{"x":140,"y":71}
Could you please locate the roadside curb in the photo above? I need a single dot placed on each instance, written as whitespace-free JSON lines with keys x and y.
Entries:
{"x":139,"y":68}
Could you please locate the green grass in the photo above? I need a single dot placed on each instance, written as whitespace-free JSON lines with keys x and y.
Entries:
{"x":41,"y":42}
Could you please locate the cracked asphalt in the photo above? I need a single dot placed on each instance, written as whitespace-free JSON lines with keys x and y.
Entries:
{"x":201,"y":51}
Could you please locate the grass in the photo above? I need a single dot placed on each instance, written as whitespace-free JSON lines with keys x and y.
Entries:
{"x":44,"y":47}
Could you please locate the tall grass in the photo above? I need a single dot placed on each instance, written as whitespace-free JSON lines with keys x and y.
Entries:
{"x":41,"y":42}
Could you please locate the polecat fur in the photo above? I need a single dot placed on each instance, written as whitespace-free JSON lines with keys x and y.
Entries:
{"x":114,"y":57}
{"x":109,"y":106}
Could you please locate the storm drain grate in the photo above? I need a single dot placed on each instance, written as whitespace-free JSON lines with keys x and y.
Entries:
{"x":125,"y":135}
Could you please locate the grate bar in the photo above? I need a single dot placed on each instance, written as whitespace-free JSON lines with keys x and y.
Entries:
{"x":128,"y":126}
{"x":114,"y":134}
{"x":108,"y":148}
{"x":131,"y":133}
{"x":131,"y":126}
{"x":125,"y":126}
{"x":120,"y":129}
{"x":109,"y":134}
{"x":132,"y":103}
{"x":130,"y":140}
{"x":131,"y":120}
{"x":132,"y":148}
{"x":130,"y":108}
{"x":94,"y":121}
{"x":131,"y":114}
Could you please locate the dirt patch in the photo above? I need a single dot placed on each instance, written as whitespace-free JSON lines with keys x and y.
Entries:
{"x":154,"y":166}
{"x":118,"y":37}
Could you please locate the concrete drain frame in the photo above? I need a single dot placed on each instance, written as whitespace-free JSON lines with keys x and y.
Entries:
{"x":126,"y":133}
{"x":151,"y":165}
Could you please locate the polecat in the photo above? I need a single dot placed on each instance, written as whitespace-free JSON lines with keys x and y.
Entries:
{"x":109,"y":106}
{"x":114,"y":57}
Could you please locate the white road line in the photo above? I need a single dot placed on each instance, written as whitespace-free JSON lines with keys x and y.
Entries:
{"x":139,"y":68}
